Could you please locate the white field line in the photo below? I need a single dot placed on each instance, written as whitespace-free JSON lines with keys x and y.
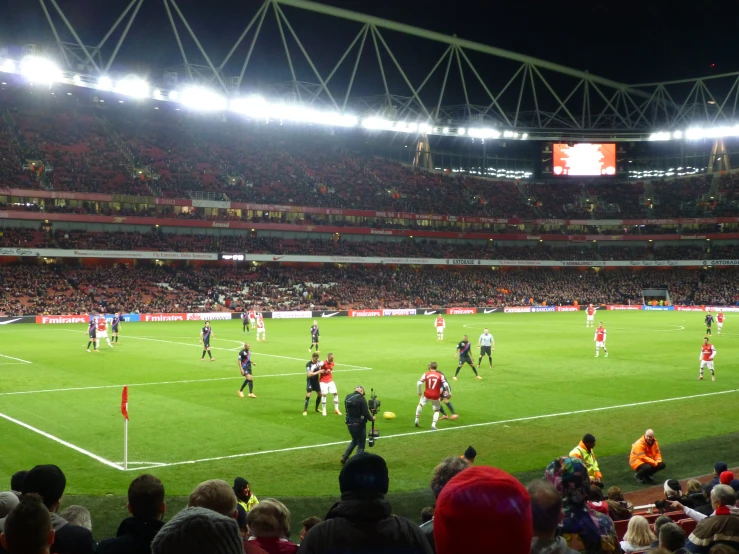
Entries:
{"x":98,"y":387}
{"x":63,"y":442}
{"x":456,"y":428}
{"x":219,"y":348}
{"x":16,"y":359}
{"x":13,"y":363}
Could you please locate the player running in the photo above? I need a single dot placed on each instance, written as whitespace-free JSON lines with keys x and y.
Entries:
{"x":440,"y":326}
{"x":709,"y":322}
{"x":719,"y":321}
{"x":446,"y":398}
{"x":261,"y":331}
{"x":245,"y":365}
{"x":245,"y":322}
{"x":91,"y":332}
{"x":206,"y":333}
{"x":115,"y":326}
{"x":315,"y":335}
{"x":327,"y":384}
{"x":465,"y":356}
{"x":600,"y":340}
{"x":706,"y":359}
{"x":312,"y":371}
{"x":435,"y":383}
{"x":486,"y":344}
{"x":102,"y":331}
{"x":590,"y":318}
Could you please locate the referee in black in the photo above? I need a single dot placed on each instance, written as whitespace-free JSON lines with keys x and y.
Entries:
{"x":357,"y":415}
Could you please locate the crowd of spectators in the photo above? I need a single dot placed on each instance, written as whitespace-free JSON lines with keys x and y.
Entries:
{"x":63,"y":289}
{"x":91,"y":148}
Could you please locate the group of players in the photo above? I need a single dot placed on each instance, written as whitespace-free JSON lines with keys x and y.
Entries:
{"x":252,"y":318}
{"x":97,"y":328}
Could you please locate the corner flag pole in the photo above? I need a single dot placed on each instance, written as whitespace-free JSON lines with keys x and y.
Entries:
{"x":124,"y":411}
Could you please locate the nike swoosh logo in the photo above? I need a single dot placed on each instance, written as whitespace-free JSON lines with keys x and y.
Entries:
{"x":488,"y":311}
{"x":329,"y":315}
{"x":275,"y":258}
{"x":10,"y":321}
{"x":429,"y":313}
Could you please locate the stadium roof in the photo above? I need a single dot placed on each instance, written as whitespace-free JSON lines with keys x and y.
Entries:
{"x":466,"y":84}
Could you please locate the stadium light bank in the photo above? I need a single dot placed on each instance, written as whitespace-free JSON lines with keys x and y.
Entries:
{"x":697,"y":133}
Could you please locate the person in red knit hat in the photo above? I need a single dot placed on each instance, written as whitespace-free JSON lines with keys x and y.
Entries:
{"x":483,"y":509}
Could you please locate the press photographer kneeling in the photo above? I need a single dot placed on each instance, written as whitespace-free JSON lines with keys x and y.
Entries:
{"x":357,"y":415}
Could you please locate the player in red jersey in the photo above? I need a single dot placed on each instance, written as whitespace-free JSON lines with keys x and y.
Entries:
{"x":327,"y":384}
{"x":261,"y":331}
{"x":719,"y":320}
{"x":102,"y":332}
{"x":706,"y":359}
{"x":600,"y":340}
{"x":252,"y":317}
{"x":440,"y":326}
{"x":435,"y":384}
{"x":589,"y":320}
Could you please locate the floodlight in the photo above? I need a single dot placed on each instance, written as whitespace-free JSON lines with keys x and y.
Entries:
{"x":40,"y":70}
{"x":174,"y":95}
{"x":133,"y":86}
{"x":484,"y":133}
{"x":105,"y":83}
{"x":77,"y":79}
{"x":424,"y":128}
{"x":461,"y":130}
{"x":8,"y":66}
{"x":677,"y":134}
{"x":200,"y":98}
{"x":252,"y":106}
{"x":377,"y":123}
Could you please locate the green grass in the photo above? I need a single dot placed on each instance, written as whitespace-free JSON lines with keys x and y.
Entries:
{"x":543,"y":365}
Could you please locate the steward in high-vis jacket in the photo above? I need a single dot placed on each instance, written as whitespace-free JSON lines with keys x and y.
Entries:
{"x":584,"y":451}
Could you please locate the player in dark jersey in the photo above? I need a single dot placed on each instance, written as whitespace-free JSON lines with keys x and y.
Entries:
{"x":206,"y":333}
{"x":464,"y":351}
{"x":312,"y":371}
{"x":314,"y":336}
{"x":446,"y":398}
{"x":709,"y":322}
{"x":115,"y":325}
{"x":245,"y":365}
{"x":245,"y":322}
{"x":92,"y":333}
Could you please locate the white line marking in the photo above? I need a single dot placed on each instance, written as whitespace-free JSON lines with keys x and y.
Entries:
{"x":98,"y":387}
{"x":16,"y":359}
{"x":14,"y":363}
{"x":218,"y":348}
{"x":63,"y":442}
{"x":471,"y":425}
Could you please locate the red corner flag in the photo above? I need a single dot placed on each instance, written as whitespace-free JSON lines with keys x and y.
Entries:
{"x":124,"y":402}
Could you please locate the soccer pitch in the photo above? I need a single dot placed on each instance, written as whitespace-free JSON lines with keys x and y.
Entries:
{"x":60,"y":404}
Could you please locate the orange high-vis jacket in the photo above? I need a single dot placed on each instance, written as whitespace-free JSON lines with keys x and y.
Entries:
{"x":642,"y":453}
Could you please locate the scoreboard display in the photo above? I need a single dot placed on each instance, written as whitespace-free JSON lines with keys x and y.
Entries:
{"x":584,"y":159}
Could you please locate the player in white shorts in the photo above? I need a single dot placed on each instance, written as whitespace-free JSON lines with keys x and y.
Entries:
{"x":327,"y":384}
{"x":600,"y":340}
{"x":261,"y":332}
{"x":720,"y":320}
{"x":590,"y":316}
{"x":102,"y":331}
{"x":706,"y":358}
{"x":252,"y":317}
{"x":440,"y":326}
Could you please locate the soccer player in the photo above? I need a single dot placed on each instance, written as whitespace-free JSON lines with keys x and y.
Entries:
{"x":245,"y":365}
{"x":709,"y":321}
{"x":315,"y":335}
{"x":206,"y":333}
{"x":102,"y":331}
{"x":486,"y":344}
{"x":589,"y":319}
{"x":261,"y":331}
{"x":252,"y":317}
{"x":440,"y":326}
{"x":435,"y":383}
{"x":465,"y":357}
{"x":312,"y":371}
{"x":446,"y":397}
{"x":706,"y":359}
{"x":600,"y":340}
{"x":115,"y":325}
{"x":91,"y":332}
{"x":245,"y":322}
{"x":327,"y":384}
{"x":719,"y":321}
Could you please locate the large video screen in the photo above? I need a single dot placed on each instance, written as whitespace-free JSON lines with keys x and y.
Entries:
{"x":584,"y":159}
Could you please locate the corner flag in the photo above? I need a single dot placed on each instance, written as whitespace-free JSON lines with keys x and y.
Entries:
{"x":124,"y":402}
{"x":124,"y":411}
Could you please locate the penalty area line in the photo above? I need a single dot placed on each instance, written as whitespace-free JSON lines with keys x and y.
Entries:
{"x":456,"y":428}
{"x":16,"y":359}
{"x":62,"y":442}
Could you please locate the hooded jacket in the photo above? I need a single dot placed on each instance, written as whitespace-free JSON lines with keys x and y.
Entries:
{"x":588,"y":460}
{"x":365,"y":523}
{"x":642,"y":453}
{"x":134,"y":536}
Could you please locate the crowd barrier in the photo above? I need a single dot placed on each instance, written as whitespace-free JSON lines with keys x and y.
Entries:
{"x":322,"y":314}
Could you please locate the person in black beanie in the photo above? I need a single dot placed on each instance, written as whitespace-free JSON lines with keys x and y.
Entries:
{"x":718,"y":469}
{"x":363,"y":519}
{"x":470,"y":454}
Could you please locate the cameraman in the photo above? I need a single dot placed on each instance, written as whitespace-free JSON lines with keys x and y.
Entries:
{"x":357,"y":415}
